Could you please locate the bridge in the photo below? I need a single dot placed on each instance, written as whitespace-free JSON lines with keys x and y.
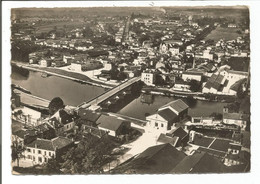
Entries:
{"x":95,"y":102}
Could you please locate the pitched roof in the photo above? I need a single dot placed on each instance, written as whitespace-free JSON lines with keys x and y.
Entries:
{"x":214,"y":81}
{"x":179,"y":132}
{"x":88,"y":115}
{"x":108,"y":122}
{"x":192,"y":73}
{"x":177,"y":105}
{"x":43,"y":127}
{"x":167,"y":139}
{"x":51,"y":145}
{"x":154,"y":160}
{"x":200,"y":163}
{"x":65,"y":117}
{"x":236,"y":116}
{"x":167,"y":114}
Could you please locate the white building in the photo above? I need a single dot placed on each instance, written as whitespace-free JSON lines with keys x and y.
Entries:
{"x":187,"y":75}
{"x":41,"y":150}
{"x":148,"y":78}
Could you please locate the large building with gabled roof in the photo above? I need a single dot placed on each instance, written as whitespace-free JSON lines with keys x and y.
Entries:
{"x":167,"y":115}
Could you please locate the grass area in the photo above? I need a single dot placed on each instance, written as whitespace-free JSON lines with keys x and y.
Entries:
{"x":223,"y":33}
{"x":46,"y":27}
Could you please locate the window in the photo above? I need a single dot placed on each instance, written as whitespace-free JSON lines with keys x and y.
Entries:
{"x":156,"y":124}
{"x":39,"y":152}
{"x":29,"y":157}
{"x":45,"y":159}
{"x":33,"y":158}
{"x":161,"y":125}
{"x":50,"y":154}
{"x":28,"y":149}
{"x":44,"y":152}
{"x":33,"y":150}
{"x":40,"y":159}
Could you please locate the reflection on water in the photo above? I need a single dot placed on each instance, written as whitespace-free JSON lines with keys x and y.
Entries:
{"x":139,"y":109}
{"x":72,"y":93}
{"x":19,"y":73}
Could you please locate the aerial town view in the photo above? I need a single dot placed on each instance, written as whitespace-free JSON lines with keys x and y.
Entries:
{"x":130,"y":90}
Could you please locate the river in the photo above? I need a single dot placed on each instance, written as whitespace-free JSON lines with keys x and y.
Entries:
{"x":140,"y":110}
{"x":72,"y":93}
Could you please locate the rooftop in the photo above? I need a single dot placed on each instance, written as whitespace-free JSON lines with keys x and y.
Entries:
{"x":108,"y":122}
{"x":177,"y":105}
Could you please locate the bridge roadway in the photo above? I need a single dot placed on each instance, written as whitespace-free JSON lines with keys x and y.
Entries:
{"x":101,"y":98}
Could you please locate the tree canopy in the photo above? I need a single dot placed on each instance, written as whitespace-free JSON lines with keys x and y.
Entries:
{"x":89,"y":156}
{"x":55,"y":105}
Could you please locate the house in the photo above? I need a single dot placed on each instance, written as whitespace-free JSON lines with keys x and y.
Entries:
{"x":214,"y":84}
{"x":148,"y":77}
{"x":23,"y":136}
{"x":29,"y":116}
{"x":237,"y":119}
{"x":174,"y":49}
{"x":233,"y":75}
{"x":63,"y":121}
{"x":58,"y":127}
{"x":87,"y":118}
{"x":202,"y":162}
{"x":41,"y":150}
{"x":45,"y":62}
{"x":191,"y":75}
{"x":45,"y":131}
{"x":113,"y":126}
{"x":218,"y":147}
{"x":176,"y":137}
{"x":167,"y":115}
{"x":181,"y":85}
{"x":159,"y":159}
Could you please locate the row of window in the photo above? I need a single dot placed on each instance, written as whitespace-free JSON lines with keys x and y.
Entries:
{"x":39,"y":152}
{"x":39,"y":158}
{"x":157,"y":125}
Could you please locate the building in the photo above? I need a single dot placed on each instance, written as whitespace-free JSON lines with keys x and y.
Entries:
{"x":177,"y":137}
{"x":45,"y":62}
{"x":41,"y":150}
{"x":234,"y":75}
{"x":148,"y":78}
{"x":29,"y":116}
{"x":87,"y":118}
{"x":63,"y":121}
{"x":237,"y":119}
{"x":202,"y":162}
{"x":190,"y":75}
{"x":214,"y":84}
{"x":113,"y":126}
{"x":167,"y":115}
{"x":159,"y":159}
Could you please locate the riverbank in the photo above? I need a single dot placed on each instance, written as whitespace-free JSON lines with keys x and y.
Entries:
{"x":195,"y":95}
{"x":64,"y":74}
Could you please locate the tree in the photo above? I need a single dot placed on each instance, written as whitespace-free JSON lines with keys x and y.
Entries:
{"x":55,"y":105}
{"x":17,"y":151}
{"x":217,"y":116}
{"x":90,"y":155}
{"x":195,"y":85}
{"x":52,"y":166}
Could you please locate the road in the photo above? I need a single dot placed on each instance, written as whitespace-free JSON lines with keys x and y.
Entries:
{"x":108,"y":94}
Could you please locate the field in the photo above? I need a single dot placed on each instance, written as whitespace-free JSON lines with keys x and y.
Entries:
{"x":223,"y":33}
{"x":46,"y":27}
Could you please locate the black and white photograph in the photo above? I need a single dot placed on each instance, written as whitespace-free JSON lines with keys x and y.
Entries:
{"x":129,"y":90}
